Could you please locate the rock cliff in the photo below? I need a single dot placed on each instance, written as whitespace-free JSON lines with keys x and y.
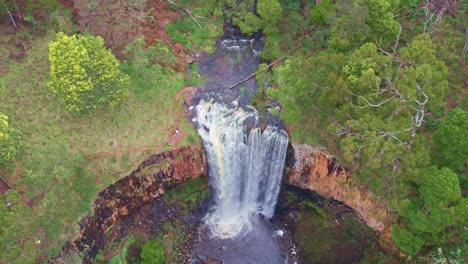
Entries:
{"x":313,"y":170}
{"x":152,"y":178}
{"x":309,"y":168}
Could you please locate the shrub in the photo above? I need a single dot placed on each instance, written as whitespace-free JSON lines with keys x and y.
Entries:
{"x":153,"y":252}
{"x":84,"y":74}
{"x":9,"y":140}
{"x":451,"y":140}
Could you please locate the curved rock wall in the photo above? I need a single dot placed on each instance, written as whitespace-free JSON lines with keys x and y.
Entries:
{"x":309,"y":168}
{"x":313,"y":170}
{"x":152,"y":178}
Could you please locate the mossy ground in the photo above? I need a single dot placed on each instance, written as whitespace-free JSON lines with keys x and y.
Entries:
{"x":175,"y":234}
{"x":328,"y":232}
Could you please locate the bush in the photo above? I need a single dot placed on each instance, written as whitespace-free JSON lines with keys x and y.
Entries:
{"x":84,"y":74}
{"x":9,"y":140}
{"x":406,"y":240}
{"x":451,"y":140}
{"x":153,"y":253}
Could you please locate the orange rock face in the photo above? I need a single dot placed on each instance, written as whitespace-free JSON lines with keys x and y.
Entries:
{"x":152,"y":178}
{"x":313,"y":170}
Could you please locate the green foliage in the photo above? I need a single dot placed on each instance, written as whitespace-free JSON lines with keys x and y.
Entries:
{"x":406,"y":241}
{"x":186,"y":32}
{"x":136,"y":54}
{"x":380,"y":18}
{"x":301,"y":84}
{"x":241,"y":14}
{"x":319,"y":14}
{"x":153,"y":252}
{"x":189,"y":193}
{"x":348,"y":27}
{"x":250,"y":23}
{"x":9,"y":140}
{"x":270,"y":11}
{"x":440,"y":187}
{"x":359,"y":21}
{"x":438,"y":208}
{"x":84,"y":74}
{"x":234,"y":11}
{"x":451,"y":140}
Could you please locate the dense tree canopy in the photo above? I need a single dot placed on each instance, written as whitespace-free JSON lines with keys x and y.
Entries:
{"x":84,"y":74}
{"x":373,"y":95}
{"x":241,"y":13}
{"x":451,"y":140}
{"x":438,"y":207}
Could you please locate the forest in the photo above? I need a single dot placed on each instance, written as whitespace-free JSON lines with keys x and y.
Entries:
{"x":379,"y":84}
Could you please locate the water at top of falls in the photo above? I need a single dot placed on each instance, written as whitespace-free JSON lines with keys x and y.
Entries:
{"x":246,"y":166}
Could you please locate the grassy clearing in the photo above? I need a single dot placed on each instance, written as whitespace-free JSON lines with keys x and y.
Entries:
{"x":66,"y":158}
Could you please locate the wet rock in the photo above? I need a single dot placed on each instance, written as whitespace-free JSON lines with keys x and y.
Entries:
{"x":211,"y":260}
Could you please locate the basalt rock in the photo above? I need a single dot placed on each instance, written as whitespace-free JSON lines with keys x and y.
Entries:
{"x":152,"y":178}
{"x":310,"y":168}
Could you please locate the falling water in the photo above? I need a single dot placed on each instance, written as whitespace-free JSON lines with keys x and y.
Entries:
{"x":246,"y":166}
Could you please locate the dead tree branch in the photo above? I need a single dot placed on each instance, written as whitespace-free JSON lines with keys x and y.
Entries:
{"x":465,"y":48}
{"x":11,"y":16}
{"x":255,"y":73}
{"x":430,"y":22}
{"x":186,"y":11}
{"x":396,"y":42}
{"x":369,"y":104}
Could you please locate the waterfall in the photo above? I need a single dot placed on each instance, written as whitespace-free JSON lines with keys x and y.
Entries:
{"x":246,"y":166}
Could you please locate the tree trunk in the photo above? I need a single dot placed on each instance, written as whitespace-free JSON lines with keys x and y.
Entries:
{"x":465,"y":48}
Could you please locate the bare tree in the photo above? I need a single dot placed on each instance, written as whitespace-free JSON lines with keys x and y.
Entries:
{"x":465,"y":48}
{"x":11,"y":16}
{"x":433,"y":15}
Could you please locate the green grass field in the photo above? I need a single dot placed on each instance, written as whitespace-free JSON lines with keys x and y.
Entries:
{"x":66,"y":159}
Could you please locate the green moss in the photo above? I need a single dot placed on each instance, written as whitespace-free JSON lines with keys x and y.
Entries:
{"x":153,"y":252}
{"x":326,"y":239}
{"x":148,"y":170}
{"x":189,"y":193}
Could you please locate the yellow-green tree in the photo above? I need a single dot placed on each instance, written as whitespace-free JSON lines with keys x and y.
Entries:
{"x":9,"y":140}
{"x":84,"y":74}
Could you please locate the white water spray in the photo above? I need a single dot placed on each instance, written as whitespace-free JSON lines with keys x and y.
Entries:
{"x":246,"y":167}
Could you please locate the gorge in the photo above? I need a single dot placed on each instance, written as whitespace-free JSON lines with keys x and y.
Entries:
{"x":245,"y":159}
{"x":233,"y":131}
